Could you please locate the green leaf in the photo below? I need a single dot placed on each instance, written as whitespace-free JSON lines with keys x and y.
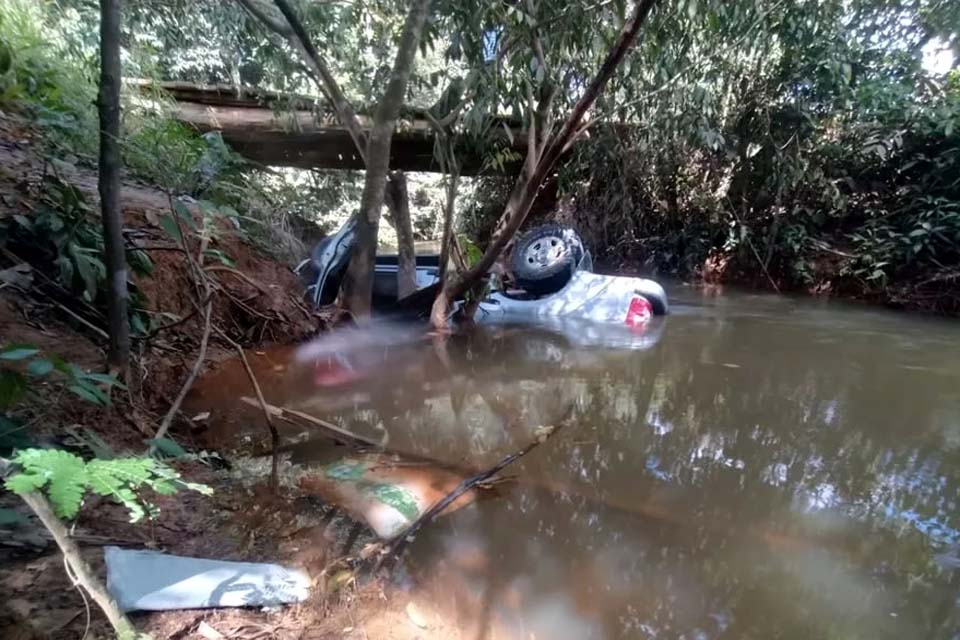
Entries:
{"x":87,"y":270}
{"x":89,"y":393}
{"x":168,"y":224}
{"x":472,"y":251}
{"x":183,"y":212}
{"x":140,"y":262}
{"x":221,"y":256}
{"x":65,"y":473}
{"x":117,"y":479}
{"x":164,"y":487}
{"x":107,"y":476}
{"x":61,"y":365}
{"x":39,"y":367}
{"x":104,"y":378}
{"x":18,"y":352}
{"x":137,"y":325}
{"x":12,"y":387}
{"x":128,"y":498}
{"x":24,"y":482}
{"x":167,"y":447}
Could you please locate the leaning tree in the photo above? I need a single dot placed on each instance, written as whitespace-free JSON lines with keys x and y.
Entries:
{"x":544,"y":61}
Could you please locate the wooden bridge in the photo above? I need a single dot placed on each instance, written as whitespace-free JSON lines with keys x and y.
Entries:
{"x":284,"y":130}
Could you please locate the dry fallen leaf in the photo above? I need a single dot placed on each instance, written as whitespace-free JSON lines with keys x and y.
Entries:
{"x":209,"y":632}
{"x":339,"y":580}
{"x":20,"y":276}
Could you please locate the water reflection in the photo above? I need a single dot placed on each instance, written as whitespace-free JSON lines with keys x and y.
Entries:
{"x":764,"y":467}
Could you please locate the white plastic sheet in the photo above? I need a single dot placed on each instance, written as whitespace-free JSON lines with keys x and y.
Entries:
{"x":154,"y":581}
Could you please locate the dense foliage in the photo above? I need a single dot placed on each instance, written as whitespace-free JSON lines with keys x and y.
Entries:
{"x":798,"y":142}
{"x":801,"y":139}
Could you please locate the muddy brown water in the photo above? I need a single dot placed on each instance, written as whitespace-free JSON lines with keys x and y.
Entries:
{"x":763,"y":467}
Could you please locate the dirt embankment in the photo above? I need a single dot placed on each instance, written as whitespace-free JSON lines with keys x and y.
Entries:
{"x":255,"y":302}
{"x":256,"y":297}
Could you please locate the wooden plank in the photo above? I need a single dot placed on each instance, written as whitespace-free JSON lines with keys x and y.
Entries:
{"x":299,"y":134}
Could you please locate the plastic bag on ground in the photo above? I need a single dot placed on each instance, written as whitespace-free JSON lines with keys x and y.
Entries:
{"x":154,"y":581}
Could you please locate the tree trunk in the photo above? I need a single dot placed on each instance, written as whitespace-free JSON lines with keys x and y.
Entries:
{"x":298,"y":39}
{"x":108,"y":103}
{"x":398,"y":202}
{"x":358,"y":284}
{"x":374,"y":148}
{"x":539,"y":163}
{"x":71,"y":553}
{"x":438,"y":314}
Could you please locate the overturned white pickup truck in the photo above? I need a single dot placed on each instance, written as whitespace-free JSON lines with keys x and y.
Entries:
{"x":551,"y":270}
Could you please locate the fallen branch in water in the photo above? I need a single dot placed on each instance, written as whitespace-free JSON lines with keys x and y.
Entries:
{"x":188,"y":383}
{"x":394,"y":548}
{"x":298,"y":418}
{"x":274,"y":434}
{"x":204,"y":293}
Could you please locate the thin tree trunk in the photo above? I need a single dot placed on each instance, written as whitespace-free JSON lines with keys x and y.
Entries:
{"x":358,"y":285}
{"x":290,"y":27}
{"x":451,"y":169}
{"x":84,"y":575}
{"x":108,"y":103}
{"x":538,"y":165}
{"x":438,"y":314}
{"x":398,"y":202}
{"x":374,"y":148}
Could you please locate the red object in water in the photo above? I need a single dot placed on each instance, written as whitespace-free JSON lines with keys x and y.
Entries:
{"x":639,"y":313}
{"x":329,"y":373}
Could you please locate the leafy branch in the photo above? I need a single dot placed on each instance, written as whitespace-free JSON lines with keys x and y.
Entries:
{"x":67,"y":479}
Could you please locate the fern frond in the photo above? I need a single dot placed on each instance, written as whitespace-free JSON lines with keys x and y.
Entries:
{"x":69,"y":478}
{"x":65,"y":473}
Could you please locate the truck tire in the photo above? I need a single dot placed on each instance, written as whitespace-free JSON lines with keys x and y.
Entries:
{"x":545,"y":258}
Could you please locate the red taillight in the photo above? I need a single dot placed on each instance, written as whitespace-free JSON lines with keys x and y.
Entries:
{"x":639,"y":312}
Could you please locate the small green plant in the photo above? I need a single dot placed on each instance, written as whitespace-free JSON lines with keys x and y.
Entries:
{"x":84,"y":384}
{"x":54,"y":484}
{"x":35,"y":73}
{"x":214,"y":222}
{"x":66,"y":479}
{"x":26,"y":368}
{"x":925,"y":231}
{"x":64,"y":237}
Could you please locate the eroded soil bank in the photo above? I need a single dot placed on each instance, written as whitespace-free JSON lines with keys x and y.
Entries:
{"x":258,"y":305}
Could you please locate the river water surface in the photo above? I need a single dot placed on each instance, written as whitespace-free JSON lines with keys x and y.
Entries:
{"x":755,"y":467}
